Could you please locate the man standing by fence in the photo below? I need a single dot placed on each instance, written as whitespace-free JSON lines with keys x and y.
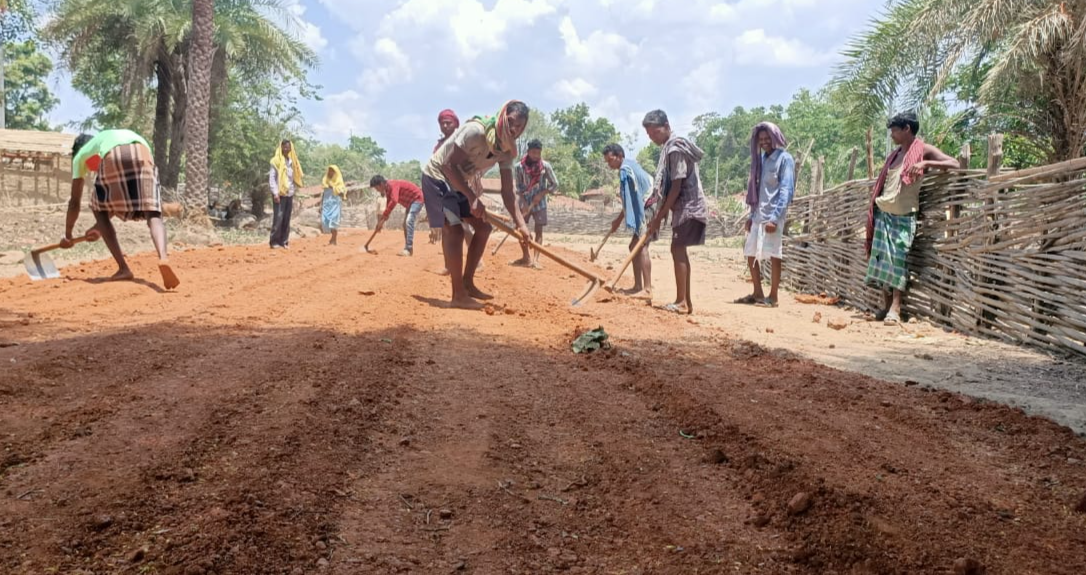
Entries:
{"x":769,"y":191}
{"x":635,"y":185}
{"x":534,"y":179}
{"x":891,"y":217}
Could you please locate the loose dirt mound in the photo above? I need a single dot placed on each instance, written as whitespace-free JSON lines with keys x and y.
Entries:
{"x":267,"y":418}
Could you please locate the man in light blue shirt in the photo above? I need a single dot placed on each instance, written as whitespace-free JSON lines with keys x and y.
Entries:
{"x":775,"y":185}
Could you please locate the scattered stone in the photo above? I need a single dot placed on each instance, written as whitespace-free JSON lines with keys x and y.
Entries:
{"x":760,"y":521}
{"x":321,"y":545}
{"x":799,"y":504}
{"x":137,"y":555}
{"x":817,"y":317}
{"x":1073,"y":461}
{"x":405,"y":441}
{"x":885,"y":403}
{"x":445,"y":513}
{"x":837,"y":324}
{"x":322,"y":563}
{"x":757,"y":498}
{"x":102,"y":522}
{"x":717,"y":457}
{"x":1081,"y":507}
{"x":964,"y":566}
{"x":187,"y":475}
{"x":367,"y":292}
{"x":460,"y":566}
{"x":911,"y":383}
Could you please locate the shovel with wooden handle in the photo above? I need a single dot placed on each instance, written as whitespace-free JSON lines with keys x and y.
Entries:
{"x":39,"y":266}
{"x":595,"y":281}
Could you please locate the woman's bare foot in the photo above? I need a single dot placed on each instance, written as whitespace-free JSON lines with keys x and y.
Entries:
{"x":640,"y":294}
{"x":121,"y":275}
{"x":169,"y":279}
{"x":466,"y":303}
{"x":443,"y":272}
{"x":477,"y":293}
{"x":522,"y":262}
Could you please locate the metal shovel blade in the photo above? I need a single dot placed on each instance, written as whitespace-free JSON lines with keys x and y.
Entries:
{"x":39,"y":266}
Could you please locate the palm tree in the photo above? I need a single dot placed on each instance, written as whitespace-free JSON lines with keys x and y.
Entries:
{"x":1028,"y":54}
{"x":197,"y":116}
{"x":153,"y":39}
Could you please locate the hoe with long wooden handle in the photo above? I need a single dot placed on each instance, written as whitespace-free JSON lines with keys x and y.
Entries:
{"x":535,"y":202}
{"x":593,"y":254}
{"x":629,"y":259}
{"x":595,"y":281}
{"x":366,"y":248}
{"x":39,"y":266}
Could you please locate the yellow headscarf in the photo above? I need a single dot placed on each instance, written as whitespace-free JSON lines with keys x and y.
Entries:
{"x":339,"y":188}
{"x":280,"y":164}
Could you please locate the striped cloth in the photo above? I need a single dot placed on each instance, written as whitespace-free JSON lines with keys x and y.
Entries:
{"x":127,"y":186}
{"x":887,"y":268}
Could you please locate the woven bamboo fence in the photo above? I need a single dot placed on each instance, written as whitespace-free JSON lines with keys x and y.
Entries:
{"x":1002,"y":256}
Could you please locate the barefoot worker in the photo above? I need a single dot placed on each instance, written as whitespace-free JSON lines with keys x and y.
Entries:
{"x":634,"y":186}
{"x":535,"y":179}
{"x":284,"y":179}
{"x":677,"y":189}
{"x":891,"y":217}
{"x":125,"y":186}
{"x":769,"y":192}
{"x":335,"y":191}
{"x":448,"y":122}
{"x":405,"y":194}
{"x":451,"y":201}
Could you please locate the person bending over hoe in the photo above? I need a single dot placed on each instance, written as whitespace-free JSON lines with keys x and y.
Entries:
{"x":125,"y":187}
{"x":472,"y":150}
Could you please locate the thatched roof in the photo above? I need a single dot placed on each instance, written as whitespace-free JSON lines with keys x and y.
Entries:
{"x":32,"y":142}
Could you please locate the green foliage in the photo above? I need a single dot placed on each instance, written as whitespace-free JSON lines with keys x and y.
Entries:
{"x":588,"y":136}
{"x":1025,"y":58}
{"x":367,"y":147}
{"x":27,"y":98}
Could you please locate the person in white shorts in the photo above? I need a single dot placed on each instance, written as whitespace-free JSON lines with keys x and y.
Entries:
{"x":769,"y":192}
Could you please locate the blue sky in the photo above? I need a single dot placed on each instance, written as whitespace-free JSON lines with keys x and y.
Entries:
{"x":389,"y":66}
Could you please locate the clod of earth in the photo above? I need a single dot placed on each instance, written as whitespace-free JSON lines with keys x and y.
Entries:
{"x":1081,"y":507}
{"x":837,"y":324}
{"x":717,"y":457}
{"x":799,"y":504}
{"x":966,"y":566}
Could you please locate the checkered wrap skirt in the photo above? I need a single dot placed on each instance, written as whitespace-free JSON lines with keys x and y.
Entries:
{"x":887,"y":269}
{"x":127,"y":184}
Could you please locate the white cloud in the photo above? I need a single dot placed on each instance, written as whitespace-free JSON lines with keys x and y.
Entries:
{"x":394,"y":68}
{"x":413,"y":125}
{"x":310,"y":34}
{"x":702,"y":85}
{"x":345,"y":114}
{"x":755,"y":47}
{"x":599,"y":51}
{"x":573,"y":91}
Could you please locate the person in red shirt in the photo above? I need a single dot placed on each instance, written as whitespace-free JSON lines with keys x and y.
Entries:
{"x":407,"y":195}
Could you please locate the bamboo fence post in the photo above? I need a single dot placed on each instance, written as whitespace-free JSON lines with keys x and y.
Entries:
{"x":870,"y":156}
{"x":852,"y":164}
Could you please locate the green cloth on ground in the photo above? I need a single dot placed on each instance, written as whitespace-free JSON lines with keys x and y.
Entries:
{"x":591,"y":340}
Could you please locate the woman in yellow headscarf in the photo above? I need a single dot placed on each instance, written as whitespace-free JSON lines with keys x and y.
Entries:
{"x":284,"y":179}
{"x":335,"y":191}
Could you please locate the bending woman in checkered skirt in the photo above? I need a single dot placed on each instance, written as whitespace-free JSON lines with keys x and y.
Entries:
{"x":125,"y":187}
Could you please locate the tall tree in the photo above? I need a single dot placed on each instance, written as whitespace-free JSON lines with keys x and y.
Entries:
{"x":144,"y":45}
{"x":27,"y":99}
{"x":197,"y":190}
{"x":1030,"y":54}
{"x":16,"y":18}
{"x":589,"y":135}
{"x":369,"y":149}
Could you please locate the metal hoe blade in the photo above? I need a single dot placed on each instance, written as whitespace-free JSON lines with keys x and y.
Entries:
{"x":40,"y":266}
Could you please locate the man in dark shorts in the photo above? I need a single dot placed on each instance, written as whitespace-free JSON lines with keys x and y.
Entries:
{"x":451,"y":201}
{"x":677,"y":189}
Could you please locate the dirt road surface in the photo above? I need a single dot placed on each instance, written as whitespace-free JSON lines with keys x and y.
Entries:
{"x":317,"y":411}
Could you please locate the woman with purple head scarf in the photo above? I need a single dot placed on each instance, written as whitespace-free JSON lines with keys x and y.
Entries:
{"x":769,"y":192}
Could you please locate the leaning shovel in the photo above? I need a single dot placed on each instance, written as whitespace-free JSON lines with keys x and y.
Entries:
{"x":39,"y":266}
